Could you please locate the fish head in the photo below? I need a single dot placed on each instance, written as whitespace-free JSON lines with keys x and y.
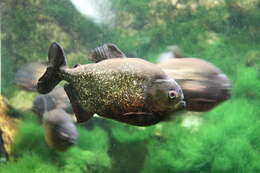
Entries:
{"x":66,"y":135}
{"x":60,"y":131}
{"x":165,"y":95}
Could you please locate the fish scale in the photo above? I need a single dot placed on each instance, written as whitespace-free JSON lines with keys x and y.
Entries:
{"x":100,"y":89}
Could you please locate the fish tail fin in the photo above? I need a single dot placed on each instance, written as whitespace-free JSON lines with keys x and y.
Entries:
{"x":56,"y":60}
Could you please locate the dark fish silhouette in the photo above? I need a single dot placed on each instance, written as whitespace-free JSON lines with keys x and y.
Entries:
{"x":129,"y":90}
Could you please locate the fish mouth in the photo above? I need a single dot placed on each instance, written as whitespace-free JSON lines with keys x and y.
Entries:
{"x":71,"y":141}
{"x":180,"y":106}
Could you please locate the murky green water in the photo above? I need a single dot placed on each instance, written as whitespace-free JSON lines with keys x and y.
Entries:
{"x":225,"y":33}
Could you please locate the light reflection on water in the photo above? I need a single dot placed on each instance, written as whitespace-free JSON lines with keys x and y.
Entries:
{"x":99,"y":10}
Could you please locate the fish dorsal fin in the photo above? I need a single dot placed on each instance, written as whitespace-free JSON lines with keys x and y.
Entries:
{"x":106,"y":51}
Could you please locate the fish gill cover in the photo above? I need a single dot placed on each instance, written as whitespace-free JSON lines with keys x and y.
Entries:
{"x":226,"y":33}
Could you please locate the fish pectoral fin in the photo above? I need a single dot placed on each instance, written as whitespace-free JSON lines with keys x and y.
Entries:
{"x":80,"y":113}
{"x":106,"y":51}
{"x":142,"y":118}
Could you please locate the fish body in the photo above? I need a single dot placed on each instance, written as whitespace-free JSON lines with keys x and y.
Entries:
{"x":118,"y":85}
{"x":129,"y":90}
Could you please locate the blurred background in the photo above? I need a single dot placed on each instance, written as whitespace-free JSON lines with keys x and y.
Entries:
{"x":223,"y":32}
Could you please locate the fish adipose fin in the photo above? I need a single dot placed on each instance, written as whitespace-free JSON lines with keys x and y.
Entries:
{"x":50,"y":78}
{"x":106,"y":51}
{"x":142,"y":118}
{"x":80,"y":113}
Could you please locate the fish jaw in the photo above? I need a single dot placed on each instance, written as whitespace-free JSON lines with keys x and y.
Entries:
{"x":180,"y":106}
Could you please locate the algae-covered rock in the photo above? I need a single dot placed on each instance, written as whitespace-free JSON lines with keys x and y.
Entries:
{"x":8,"y":125}
{"x":3,"y":154}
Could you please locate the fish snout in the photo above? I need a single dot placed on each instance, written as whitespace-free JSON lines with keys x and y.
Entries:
{"x":182,"y":103}
{"x":180,"y":95}
{"x":71,"y":141}
{"x":180,"y":106}
{"x":68,"y":137}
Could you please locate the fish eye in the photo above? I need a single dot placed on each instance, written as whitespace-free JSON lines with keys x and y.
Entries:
{"x":172,"y":94}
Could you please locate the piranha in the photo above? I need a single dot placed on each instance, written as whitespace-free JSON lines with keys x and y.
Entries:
{"x":59,"y":130}
{"x":129,"y":90}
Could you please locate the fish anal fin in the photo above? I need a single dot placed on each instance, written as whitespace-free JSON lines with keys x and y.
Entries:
{"x":80,"y":113}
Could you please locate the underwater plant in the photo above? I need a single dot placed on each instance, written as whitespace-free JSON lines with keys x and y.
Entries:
{"x":31,"y":153}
